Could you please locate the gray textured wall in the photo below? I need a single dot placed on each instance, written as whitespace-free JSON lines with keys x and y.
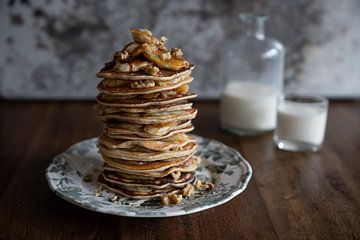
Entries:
{"x":52,"y":49}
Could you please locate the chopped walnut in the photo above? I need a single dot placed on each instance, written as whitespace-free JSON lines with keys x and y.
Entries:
{"x":165,"y":56}
{"x":188,"y":190}
{"x":165,"y":200}
{"x":122,"y":67}
{"x":123,"y":55}
{"x":175,"y":198}
{"x":161,"y":48}
{"x":163,"y":39}
{"x":162,"y":83}
{"x":131,"y":67}
{"x":153,"y":71}
{"x":114,"y":198}
{"x":176,"y":53}
{"x":142,"y":84}
{"x":176,"y":175}
{"x":203,"y":186}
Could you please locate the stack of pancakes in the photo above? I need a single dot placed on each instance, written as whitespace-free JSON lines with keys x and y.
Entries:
{"x":145,"y":109}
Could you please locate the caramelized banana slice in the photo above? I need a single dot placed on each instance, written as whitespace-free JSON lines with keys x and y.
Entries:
{"x":140,"y":50}
{"x":153,"y":50}
{"x":182,"y":89}
{"x":143,"y":36}
{"x":171,"y":64}
{"x":130,"y":49}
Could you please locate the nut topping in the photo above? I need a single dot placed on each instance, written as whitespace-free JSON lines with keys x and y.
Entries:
{"x":153,"y":50}
{"x":176,"y":175}
{"x":188,"y":190}
{"x":165,"y":200}
{"x":175,"y":198}
{"x":176,"y":53}
{"x":203,"y":186}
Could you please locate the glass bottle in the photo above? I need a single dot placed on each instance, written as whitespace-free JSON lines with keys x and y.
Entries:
{"x":252,"y":69}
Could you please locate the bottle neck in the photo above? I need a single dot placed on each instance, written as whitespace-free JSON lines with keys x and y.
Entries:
{"x":253,"y":25}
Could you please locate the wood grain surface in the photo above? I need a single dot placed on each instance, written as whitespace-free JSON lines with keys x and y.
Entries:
{"x":291,"y":195}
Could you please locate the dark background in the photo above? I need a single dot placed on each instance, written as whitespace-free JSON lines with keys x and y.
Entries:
{"x":52,"y":49}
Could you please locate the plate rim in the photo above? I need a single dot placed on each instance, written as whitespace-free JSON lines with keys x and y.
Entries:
{"x":233,"y":193}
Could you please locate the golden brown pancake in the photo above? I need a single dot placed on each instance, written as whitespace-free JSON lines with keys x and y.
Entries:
{"x":159,"y":183}
{"x":164,"y":74}
{"x":148,"y":155}
{"x":143,"y":130}
{"x":103,"y":109}
{"x":146,"y":166}
{"x":188,"y":166}
{"x":143,"y":136}
{"x":140,"y":193}
{"x":140,"y":84}
{"x":140,"y":101}
{"x":121,"y":91}
{"x":151,"y":118}
{"x":178,"y":140}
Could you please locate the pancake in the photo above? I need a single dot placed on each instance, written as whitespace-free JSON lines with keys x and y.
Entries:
{"x":103,"y":109}
{"x":137,"y":194}
{"x":126,"y":178}
{"x":141,"y":136}
{"x":143,"y":130}
{"x":188,"y":166}
{"x":179,"y":140}
{"x":147,"y":166}
{"x":134,"y":155}
{"x":137,"y":102}
{"x":142,"y":84}
{"x":164,"y":75}
{"x":151,"y":183}
{"x":131,"y":91}
{"x":145,"y":190}
{"x":151,"y":118}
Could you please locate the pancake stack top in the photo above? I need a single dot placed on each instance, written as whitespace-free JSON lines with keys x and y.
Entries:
{"x":144,"y":106}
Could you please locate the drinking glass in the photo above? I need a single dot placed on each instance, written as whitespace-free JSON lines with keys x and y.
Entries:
{"x":301,"y":122}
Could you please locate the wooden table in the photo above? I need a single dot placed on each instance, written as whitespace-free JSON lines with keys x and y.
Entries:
{"x":291,"y":195}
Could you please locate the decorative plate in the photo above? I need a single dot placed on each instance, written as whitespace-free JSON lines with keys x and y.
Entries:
{"x":72,"y":175}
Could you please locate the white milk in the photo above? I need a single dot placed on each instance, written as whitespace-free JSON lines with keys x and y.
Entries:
{"x":248,"y":105}
{"x":301,"y":122}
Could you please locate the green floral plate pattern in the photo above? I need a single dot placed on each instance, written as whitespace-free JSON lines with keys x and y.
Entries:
{"x":72,"y":176}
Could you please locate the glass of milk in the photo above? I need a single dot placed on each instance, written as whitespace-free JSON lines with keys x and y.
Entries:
{"x":252,"y":67}
{"x":301,"y":122}
{"x":248,"y":108}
